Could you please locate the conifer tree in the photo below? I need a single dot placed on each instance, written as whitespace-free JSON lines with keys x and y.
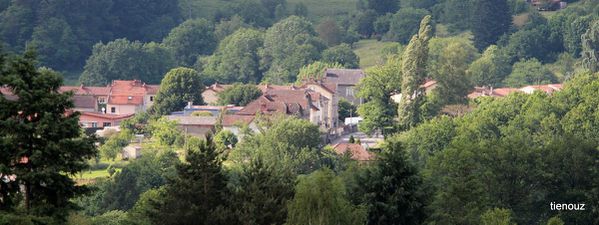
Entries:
{"x":197,"y":194}
{"x":41,"y":143}
{"x":490,"y":19}
{"x":414,"y":73}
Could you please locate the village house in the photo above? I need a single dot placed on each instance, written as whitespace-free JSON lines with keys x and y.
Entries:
{"x":197,"y":126}
{"x":502,"y":92}
{"x":99,"y":120}
{"x":356,"y":151}
{"x":235,"y":123}
{"x":343,"y":82}
{"x":130,"y":96}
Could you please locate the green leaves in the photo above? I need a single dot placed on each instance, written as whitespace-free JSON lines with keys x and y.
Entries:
{"x":179,"y":86}
{"x":191,"y":39}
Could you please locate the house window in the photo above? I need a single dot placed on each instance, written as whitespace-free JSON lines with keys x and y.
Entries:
{"x":112,"y":109}
{"x":349,"y":91}
{"x":151,"y":98}
{"x":94,"y":124}
{"x":106,"y":124}
{"x":101,"y":100}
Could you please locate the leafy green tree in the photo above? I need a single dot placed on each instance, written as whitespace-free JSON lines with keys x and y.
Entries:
{"x":490,"y":69}
{"x":529,"y":72}
{"x":115,"y":144}
{"x":179,"y":86}
{"x":198,"y":191}
{"x":227,"y":27}
{"x":497,"y":217}
{"x":457,"y":14}
{"x":376,"y":88}
{"x":413,"y":69}
{"x":590,"y":48}
{"x":329,"y":32}
{"x":490,"y":19}
{"x":165,"y":133}
{"x":405,"y":24}
{"x":122,"y":59}
{"x":342,"y":54}
{"x":428,"y":138}
{"x":531,"y":43}
{"x":115,"y":217}
{"x":16,"y":24}
{"x":236,"y":58}
{"x":320,"y":198}
{"x":225,"y":139}
{"x":555,"y":221}
{"x":453,"y":84}
{"x":33,"y":129}
{"x":288,"y":45}
{"x":362,"y":23}
{"x":190,"y":39}
{"x":572,"y":37}
{"x":346,"y":109}
{"x":149,"y":171}
{"x":145,"y":20}
{"x":261,"y":194}
{"x":392,"y":189}
{"x":315,"y":71}
{"x":57,"y":44}
{"x":143,"y":210}
{"x":383,"y":6}
{"x":300,"y":10}
{"x":239,"y":95}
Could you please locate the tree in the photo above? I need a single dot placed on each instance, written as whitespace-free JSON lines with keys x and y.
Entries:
{"x":115,"y":144}
{"x":125,"y":60}
{"x":490,"y":69}
{"x":590,"y":48}
{"x":239,"y":95}
{"x":145,"y":20}
{"x":413,"y":74}
{"x":227,"y":27}
{"x":531,"y":43}
{"x":453,"y":84}
{"x":300,"y":10}
{"x":315,"y":71}
{"x":224,"y":140}
{"x":529,"y":72}
{"x":497,"y":217}
{"x":34,"y":128}
{"x":555,"y":221}
{"x":490,"y":20}
{"x":392,"y":189}
{"x":405,"y":24}
{"x":179,"y":86}
{"x":342,"y":54}
{"x":457,"y":14}
{"x":330,"y":32}
{"x":236,"y":58}
{"x":428,"y":138}
{"x":115,"y":217}
{"x":288,"y":45}
{"x":191,"y":39}
{"x":261,"y":194}
{"x":362,"y":23}
{"x":198,"y":191}
{"x":346,"y":109}
{"x":383,"y":6}
{"x":376,"y":88}
{"x":57,"y":44}
{"x":320,"y":198}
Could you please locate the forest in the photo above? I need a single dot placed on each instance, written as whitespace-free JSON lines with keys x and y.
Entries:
{"x":505,"y":161}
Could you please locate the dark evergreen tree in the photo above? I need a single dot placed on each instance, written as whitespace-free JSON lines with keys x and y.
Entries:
{"x":262,"y":194}
{"x":41,"y":140}
{"x":490,"y":19}
{"x":383,"y":6}
{"x":392,"y":189}
{"x":590,"y":48}
{"x":198,"y":192}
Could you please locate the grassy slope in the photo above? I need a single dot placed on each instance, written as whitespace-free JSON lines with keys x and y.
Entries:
{"x":370,"y":52}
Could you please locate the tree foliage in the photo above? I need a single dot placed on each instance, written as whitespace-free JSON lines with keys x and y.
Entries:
{"x":590,"y":48}
{"x":490,"y":69}
{"x":124,"y":60}
{"x":239,"y":95}
{"x":342,"y":54}
{"x":315,"y":71}
{"x":320,"y":198}
{"x":404,"y":24}
{"x":33,"y":129}
{"x":529,"y":72}
{"x":236,"y":59}
{"x":191,"y":39}
{"x":490,"y":19}
{"x":179,"y":86}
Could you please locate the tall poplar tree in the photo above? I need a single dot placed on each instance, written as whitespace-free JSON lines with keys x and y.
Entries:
{"x":414,"y":73}
{"x":41,"y":143}
{"x":590,"y":48}
{"x":490,"y":19}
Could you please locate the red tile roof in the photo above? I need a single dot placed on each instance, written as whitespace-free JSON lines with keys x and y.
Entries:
{"x":279,"y":101}
{"x":107,"y":116}
{"x":84,"y":90}
{"x":85,"y":101}
{"x":129,"y":92}
{"x":502,"y":92}
{"x":233,"y":120}
{"x":357,"y":151}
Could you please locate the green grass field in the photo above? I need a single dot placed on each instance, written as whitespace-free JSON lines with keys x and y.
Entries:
{"x":370,"y":52}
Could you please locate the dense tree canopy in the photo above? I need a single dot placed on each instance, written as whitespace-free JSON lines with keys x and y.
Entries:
{"x":239,"y":95}
{"x":125,"y":60}
{"x":590,"y":48}
{"x":236,"y":59}
{"x":191,"y":39}
{"x":529,"y":72}
{"x":179,"y":86}
{"x":288,"y":45}
{"x":341,"y":54}
{"x":29,"y":136}
{"x":404,"y":24}
{"x":490,"y":19}
{"x":490,"y":69}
